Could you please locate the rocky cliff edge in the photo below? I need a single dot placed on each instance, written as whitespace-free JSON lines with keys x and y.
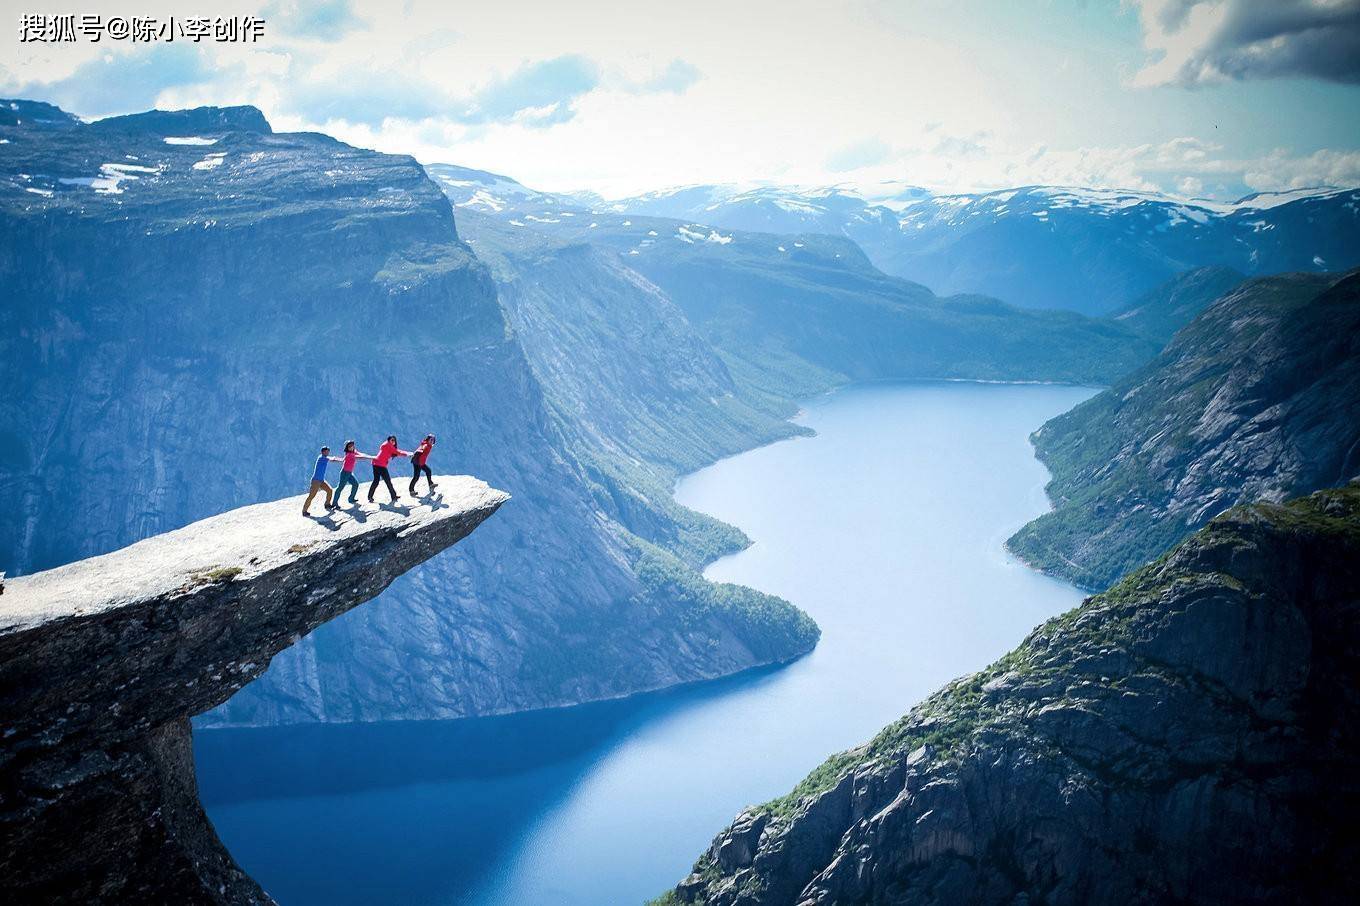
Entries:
{"x":103,"y":662}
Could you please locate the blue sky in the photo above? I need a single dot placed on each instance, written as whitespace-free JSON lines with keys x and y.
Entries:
{"x":1191,"y":97}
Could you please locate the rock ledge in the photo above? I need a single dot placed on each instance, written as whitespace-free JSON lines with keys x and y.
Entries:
{"x":103,"y":662}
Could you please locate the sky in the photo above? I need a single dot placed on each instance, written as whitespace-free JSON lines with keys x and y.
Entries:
{"x":1196,"y":98}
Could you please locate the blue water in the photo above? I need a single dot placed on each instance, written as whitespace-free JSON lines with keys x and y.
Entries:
{"x":887,"y":527}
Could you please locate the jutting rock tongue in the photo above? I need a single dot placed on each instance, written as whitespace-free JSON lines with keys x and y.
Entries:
{"x":103,"y":662}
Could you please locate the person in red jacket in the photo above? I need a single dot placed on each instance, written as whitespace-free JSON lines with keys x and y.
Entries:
{"x":419,"y":459}
{"x":380,"y":473}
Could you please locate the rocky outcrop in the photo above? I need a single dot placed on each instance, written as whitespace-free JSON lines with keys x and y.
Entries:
{"x":1188,"y":736}
{"x":103,"y":662}
{"x":1254,"y":400}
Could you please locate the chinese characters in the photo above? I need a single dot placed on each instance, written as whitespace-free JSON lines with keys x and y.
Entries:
{"x":61,"y":29}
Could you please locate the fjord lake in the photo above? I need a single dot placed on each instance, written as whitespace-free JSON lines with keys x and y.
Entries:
{"x":887,"y":526}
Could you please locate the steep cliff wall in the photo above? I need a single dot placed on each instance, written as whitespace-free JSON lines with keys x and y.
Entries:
{"x":1188,"y":736}
{"x":192,"y":320}
{"x":1255,"y":399}
{"x":103,"y":662}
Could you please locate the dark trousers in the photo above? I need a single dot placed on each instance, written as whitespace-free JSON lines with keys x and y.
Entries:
{"x":429,"y":476}
{"x":380,"y":473}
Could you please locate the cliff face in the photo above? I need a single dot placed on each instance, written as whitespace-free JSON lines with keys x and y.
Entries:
{"x":617,"y":352}
{"x":199,"y":303}
{"x":1187,"y":736}
{"x":1254,"y":400}
{"x":103,"y":662}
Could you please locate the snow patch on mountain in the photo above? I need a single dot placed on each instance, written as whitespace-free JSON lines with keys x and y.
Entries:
{"x":110,"y":178}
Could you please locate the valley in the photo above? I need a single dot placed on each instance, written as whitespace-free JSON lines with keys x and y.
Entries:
{"x":914,"y":486}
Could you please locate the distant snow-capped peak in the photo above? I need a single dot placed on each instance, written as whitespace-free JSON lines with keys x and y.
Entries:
{"x":1040,"y":201}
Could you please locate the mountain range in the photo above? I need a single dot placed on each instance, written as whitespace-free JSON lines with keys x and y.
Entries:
{"x":795,"y":315}
{"x":1002,"y":785}
{"x":1095,"y":251}
{"x":1132,"y":472}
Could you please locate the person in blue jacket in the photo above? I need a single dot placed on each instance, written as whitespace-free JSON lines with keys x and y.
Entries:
{"x":319,"y":483}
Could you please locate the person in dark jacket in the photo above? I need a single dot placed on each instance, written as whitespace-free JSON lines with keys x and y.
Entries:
{"x":419,"y":459}
{"x":385,"y":453}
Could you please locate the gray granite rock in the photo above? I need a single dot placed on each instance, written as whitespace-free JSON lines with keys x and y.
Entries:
{"x":103,"y":662}
{"x":1255,"y":399}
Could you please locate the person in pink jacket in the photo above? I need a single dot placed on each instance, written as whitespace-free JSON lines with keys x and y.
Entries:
{"x":352,"y":455}
{"x":419,"y":459}
{"x":388,"y":450}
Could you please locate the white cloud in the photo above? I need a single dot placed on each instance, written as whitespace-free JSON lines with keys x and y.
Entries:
{"x":622,"y":98}
{"x":1185,"y":166}
{"x":1190,"y":186}
{"x":642,"y":76}
{"x":1282,"y":170}
{"x":858,"y":155}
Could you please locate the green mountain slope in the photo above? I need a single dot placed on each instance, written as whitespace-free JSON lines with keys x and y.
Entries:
{"x":640,"y":395}
{"x":1255,"y":400}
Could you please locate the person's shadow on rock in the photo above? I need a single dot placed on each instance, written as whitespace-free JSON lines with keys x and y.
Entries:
{"x":327,"y":521}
